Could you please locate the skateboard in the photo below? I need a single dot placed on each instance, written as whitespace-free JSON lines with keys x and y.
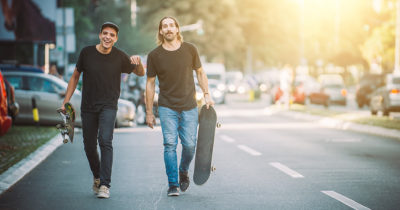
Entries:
{"x":205,"y":144}
{"x":67,"y":125}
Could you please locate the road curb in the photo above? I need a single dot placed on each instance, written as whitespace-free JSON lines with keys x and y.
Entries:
{"x":344,"y":125}
{"x":23,"y":167}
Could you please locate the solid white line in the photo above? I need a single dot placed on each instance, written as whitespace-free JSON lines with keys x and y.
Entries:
{"x":226,"y":138}
{"x":249,"y":150}
{"x":286,"y":170}
{"x":345,"y":200}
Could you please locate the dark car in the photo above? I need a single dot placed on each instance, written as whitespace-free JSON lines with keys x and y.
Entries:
{"x":386,"y":98}
{"x":328,"y":94}
{"x":134,"y":90}
{"x":367,"y":85}
{"x":23,"y":68}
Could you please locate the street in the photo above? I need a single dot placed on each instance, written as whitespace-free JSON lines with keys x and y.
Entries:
{"x":263,"y":160}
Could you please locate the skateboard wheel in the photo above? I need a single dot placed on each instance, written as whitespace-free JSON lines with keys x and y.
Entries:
{"x":218,"y":125}
{"x":58,"y":126}
{"x":65,"y":141}
{"x":213,"y":168}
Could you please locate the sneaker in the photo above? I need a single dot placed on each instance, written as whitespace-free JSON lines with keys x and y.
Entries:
{"x":173,"y":191}
{"x":184,"y":180}
{"x":104,"y":192}
{"x":96,"y":185}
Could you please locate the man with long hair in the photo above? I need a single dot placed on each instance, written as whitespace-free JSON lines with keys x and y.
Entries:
{"x":173,"y":62}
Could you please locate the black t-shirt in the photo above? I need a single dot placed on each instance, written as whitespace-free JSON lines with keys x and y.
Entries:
{"x":102,"y":77}
{"x":174,"y":70}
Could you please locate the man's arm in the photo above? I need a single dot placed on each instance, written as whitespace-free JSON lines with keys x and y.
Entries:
{"x":71,"y":86}
{"x":139,"y":70}
{"x":203,"y":82}
{"x":150,"y":91}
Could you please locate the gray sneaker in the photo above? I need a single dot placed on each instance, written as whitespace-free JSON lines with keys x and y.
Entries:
{"x":96,"y":185}
{"x":173,"y":191}
{"x":184,"y":180}
{"x":104,"y":192}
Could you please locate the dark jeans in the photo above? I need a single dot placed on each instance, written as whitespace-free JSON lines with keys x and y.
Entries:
{"x":99,"y":126}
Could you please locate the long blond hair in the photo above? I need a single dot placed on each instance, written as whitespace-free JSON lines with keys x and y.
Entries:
{"x":160,"y":38}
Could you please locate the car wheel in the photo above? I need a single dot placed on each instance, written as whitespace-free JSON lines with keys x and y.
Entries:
{"x":140,"y":114}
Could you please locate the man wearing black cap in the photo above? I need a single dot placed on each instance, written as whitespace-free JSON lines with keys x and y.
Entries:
{"x":101,"y":65}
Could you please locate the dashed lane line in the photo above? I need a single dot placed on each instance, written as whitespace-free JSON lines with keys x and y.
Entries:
{"x":249,"y":150}
{"x":226,"y":138}
{"x":286,"y":170}
{"x":347,"y":201}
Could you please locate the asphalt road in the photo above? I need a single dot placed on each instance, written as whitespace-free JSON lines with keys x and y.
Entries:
{"x":263,"y":160}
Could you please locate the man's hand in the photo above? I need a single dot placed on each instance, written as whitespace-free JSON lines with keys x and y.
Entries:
{"x":208,"y":100}
{"x":62,"y":107}
{"x":150,"y":120}
{"x":135,"y":59}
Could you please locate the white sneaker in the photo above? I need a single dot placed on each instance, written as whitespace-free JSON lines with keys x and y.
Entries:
{"x":96,"y":186}
{"x":104,"y":192}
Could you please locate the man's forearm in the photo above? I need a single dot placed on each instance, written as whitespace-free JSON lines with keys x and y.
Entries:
{"x":150,"y":90}
{"x":139,"y":70}
{"x":203,"y":81}
{"x":70,"y":89}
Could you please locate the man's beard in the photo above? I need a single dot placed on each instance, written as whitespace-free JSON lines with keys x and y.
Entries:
{"x":170,"y":38}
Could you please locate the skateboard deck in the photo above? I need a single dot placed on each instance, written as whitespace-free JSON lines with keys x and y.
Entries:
{"x":205,"y":144}
{"x":66,"y":128}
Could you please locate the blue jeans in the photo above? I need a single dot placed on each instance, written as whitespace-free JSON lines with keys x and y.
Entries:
{"x":174,"y":124}
{"x":99,"y":126}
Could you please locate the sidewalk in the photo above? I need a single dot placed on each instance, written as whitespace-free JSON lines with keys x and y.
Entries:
{"x":23,"y":167}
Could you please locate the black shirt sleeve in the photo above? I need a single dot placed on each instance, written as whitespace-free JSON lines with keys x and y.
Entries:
{"x":127,"y":67}
{"x":151,"y":69}
{"x":79,"y":64}
{"x":196,"y":58}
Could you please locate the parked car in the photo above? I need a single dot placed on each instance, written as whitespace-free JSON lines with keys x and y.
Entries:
{"x":49,"y":92}
{"x":366,"y":86}
{"x":23,"y":68}
{"x":329,"y":93}
{"x":217,"y":91}
{"x":134,"y":90}
{"x":386,"y":98}
{"x":125,"y":114}
{"x":5,"y":120}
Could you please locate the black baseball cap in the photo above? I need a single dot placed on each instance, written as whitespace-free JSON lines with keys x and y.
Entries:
{"x":110,"y":24}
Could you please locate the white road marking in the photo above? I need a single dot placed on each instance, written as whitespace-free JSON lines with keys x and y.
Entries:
{"x":342,"y":140}
{"x":226,"y":138}
{"x":344,"y":200}
{"x":249,"y":150}
{"x":286,"y":170}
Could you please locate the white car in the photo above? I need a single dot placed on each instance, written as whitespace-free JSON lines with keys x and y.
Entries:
{"x":48,"y":92}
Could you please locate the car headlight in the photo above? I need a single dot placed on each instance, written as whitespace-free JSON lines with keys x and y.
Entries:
{"x":217,"y":94}
{"x":221,"y":87}
{"x":199,"y":96}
